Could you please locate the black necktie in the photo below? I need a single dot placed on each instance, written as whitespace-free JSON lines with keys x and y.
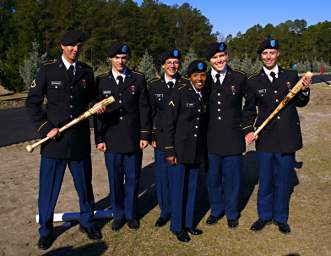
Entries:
{"x":273,"y":75}
{"x":70,"y":72}
{"x":120,"y":80}
{"x":200,"y":96}
{"x":170,"y":84}
{"x":218,"y":81}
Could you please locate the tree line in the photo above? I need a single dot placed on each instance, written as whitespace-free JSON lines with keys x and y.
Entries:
{"x":31,"y":30}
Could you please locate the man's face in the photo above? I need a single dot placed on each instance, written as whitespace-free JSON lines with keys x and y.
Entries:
{"x":118,"y":62}
{"x":269,"y":58}
{"x":219,"y":60}
{"x":71,"y":52}
{"x":171,"y":67}
{"x":198,"y":80}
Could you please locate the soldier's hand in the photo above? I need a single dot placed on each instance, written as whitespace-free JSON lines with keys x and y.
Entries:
{"x":99,"y":109}
{"x":143,"y":144}
{"x":306,"y":83}
{"x":250,"y":137}
{"x":172,"y":160}
{"x":153,"y":143}
{"x":102,"y":147}
{"x":53,"y":133}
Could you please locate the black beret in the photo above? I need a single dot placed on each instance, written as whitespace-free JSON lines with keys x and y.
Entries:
{"x":269,"y":43}
{"x":118,"y":49}
{"x":214,"y":48}
{"x":72,"y":37}
{"x":172,"y":53}
{"x":196,"y":66}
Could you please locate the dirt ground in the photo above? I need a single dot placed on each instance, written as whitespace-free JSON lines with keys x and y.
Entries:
{"x":310,"y":211}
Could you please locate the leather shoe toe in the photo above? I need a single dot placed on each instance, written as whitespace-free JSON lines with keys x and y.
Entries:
{"x":117,"y":224}
{"x":284,"y":227}
{"x":194,"y":231}
{"x":183,"y":236}
{"x":45,"y":242}
{"x":161,"y":222}
{"x":213,"y":219}
{"x":233,"y":223}
{"x":92,"y":233}
{"x":133,"y":224}
{"x":260,"y":224}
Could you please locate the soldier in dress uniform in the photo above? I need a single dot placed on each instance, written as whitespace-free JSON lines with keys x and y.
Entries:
{"x":281,"y":138}
{"x":122,"y":132}
{"x":69,"y":87}
{"x":184,"y":131}
{"x":225,"y":138}
{"x":159,"y":92}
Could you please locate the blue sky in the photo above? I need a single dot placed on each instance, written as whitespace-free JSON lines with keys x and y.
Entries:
{"x":230,"y":17}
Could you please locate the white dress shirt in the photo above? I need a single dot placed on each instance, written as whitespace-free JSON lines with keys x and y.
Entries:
{"x":275,"y":70}
{"x":222,"y":74}
{"x":67,"y":64}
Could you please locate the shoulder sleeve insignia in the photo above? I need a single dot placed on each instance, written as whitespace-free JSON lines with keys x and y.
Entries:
{"x":171,"y":103}
{"x":33,"y":84}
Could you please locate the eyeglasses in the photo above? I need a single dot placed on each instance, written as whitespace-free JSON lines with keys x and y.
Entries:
{"x":169,"y":63}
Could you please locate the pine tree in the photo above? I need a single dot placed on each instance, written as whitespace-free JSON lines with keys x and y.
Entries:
{"x":146,"y":66}
{"x":31,"y":63}
{"x":188,"y":58}
{"x":246,"y":64}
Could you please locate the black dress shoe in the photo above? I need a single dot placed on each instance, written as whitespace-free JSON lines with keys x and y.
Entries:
{"x":133,"y":224}
{"x":92,"y":233}
{"x":260,"y":224}
{"x":45,"y":242}
{"x":194,"y":231}
{"x":213,"y":219}
{"x":161,"y":222}
{"x":283,"y":227}
{"x":117,"y":224}
{"x":182,"y":236}
{"x":233,"y":223}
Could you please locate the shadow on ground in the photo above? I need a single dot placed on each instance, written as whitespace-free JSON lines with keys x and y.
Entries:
{"x":92,"y":249}
{"x":249,"y":178}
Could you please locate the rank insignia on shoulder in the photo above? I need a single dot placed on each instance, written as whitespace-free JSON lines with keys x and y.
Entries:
{"x":154,"y":80}
{"x":137,"y":72}
{"x":181,"y":87}
{"x":240,"y":71}
{"x":103,"y":74}
{"x":33,"y":84}
{"x":254,"y":75}
{"x":171,"y":103}
{"x":50,"y":62}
